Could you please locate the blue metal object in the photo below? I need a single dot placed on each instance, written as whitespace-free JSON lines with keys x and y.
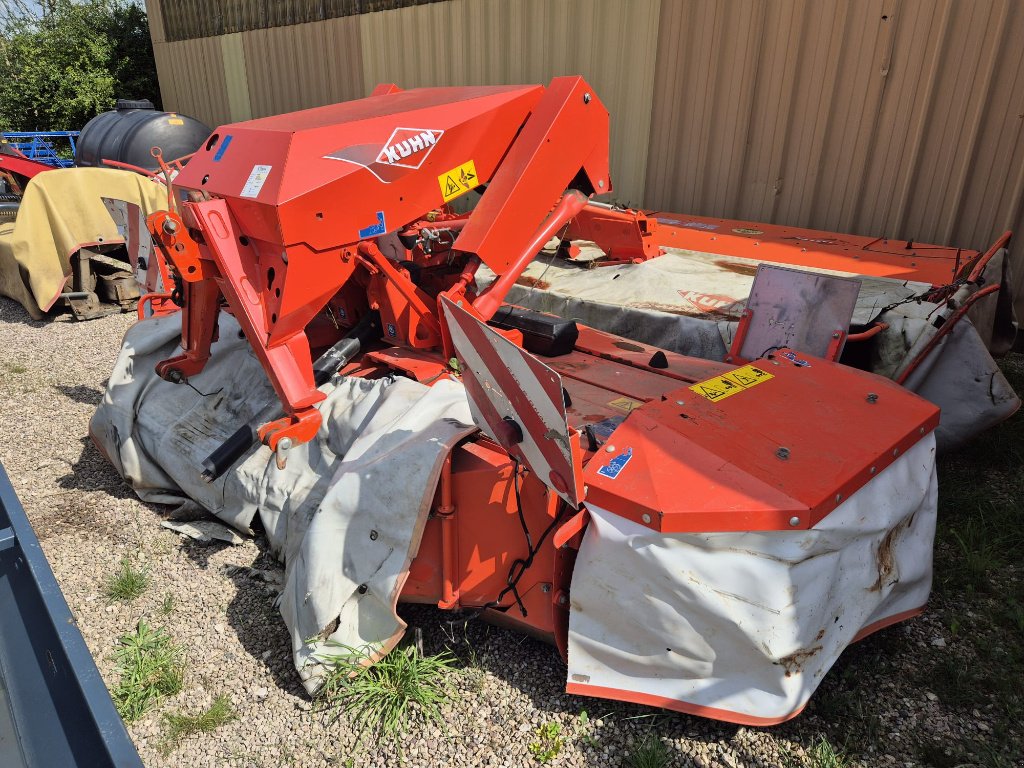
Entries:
{"x":54,"y":708}
{"x":43,"y":145}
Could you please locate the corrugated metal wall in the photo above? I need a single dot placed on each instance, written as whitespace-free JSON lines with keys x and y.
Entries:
{"x":892,"y":117}
{"x":867,"y":116}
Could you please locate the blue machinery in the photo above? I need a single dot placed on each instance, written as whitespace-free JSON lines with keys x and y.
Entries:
{"x":45,"y":146}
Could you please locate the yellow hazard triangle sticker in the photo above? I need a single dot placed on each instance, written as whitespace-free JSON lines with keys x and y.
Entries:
{"x":728,"y":384}
{"x":458,"y":180}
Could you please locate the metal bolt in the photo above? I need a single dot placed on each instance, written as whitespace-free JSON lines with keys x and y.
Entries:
{"x":170,"y":226}
{"x":921,"y":431}
{"x":545,"y":588}
{"x":586,"y":98}
{"x":284,"y":444}
{"x":646,"y":518}
{"x":362,"y":589}
{"x":895,"y":451}
{"x":836,"y":335}
{"x":601,"y":184}
{"x":839,"y":497}
{"x":794,"y":521}
{"x":873,"y":470}
{"x":782,"y":453}
{"x":373,"y":535}
{"x":872,"y":398}
{"x":610,"y":448}
{"x":562,"y":599}
{"x":680,"y":402}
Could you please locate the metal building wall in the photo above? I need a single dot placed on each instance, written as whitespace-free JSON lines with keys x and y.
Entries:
{"x":891,"y":117}
{"x":888,"y":117}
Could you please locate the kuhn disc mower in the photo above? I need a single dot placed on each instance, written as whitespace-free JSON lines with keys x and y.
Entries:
{"x":698,"y":535}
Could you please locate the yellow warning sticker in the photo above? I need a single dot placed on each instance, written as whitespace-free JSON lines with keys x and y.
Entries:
{"x":458,"y":180}
{"x":175,"y":121}
{"x":625,"y":404}
{"x":730,"y":383}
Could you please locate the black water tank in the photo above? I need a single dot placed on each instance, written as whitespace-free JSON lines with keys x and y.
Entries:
{"x":129,"y":132}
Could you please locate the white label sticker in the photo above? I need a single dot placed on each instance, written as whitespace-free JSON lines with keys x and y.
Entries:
{"x":256,"y":179}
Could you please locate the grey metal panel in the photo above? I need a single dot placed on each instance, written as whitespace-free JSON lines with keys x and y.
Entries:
{"x":49,"y":685}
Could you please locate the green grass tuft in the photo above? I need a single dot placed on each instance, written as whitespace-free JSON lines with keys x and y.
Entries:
{"x":549,"y":743}
{"x":384,"y":698}
{"x":128,"y":583}
{"x":167,"y":605}
{"x":151,"y":667}
{"x":180,"y":726}
{"x":823,"y":754}
{"x":649,"y":753}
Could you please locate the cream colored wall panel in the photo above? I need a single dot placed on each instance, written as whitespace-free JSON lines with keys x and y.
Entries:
{"x":473,"y":42}
{"x":191,"y":74}
{"x":304,"y":65}
{"x":893,"y":117}
{"x":235,"y":77}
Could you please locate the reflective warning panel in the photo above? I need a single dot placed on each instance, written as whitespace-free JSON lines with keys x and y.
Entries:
{"x":728,"y":384}
{"x":518,"y":402}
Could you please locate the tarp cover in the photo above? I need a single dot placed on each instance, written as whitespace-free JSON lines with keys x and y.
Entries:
{"x":61,"y":212}
{"x":739,"y":626}
{"x":346,"y":514}
{"x":689,"y":302}
{"x":742,"y":626}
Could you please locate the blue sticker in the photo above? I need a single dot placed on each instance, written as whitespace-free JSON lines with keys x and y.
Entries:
{"x":700,"y":225}
{"x":616,"y":465}
{"x":375,"y":229}
{"x":796,"y":360}
{"x":392,"y":331}
{"x":223,"y":148}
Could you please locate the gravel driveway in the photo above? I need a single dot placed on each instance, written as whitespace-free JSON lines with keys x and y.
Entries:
{"x":891,"y":700}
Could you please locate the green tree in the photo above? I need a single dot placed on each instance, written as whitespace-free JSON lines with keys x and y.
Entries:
{"x":70,"y":61}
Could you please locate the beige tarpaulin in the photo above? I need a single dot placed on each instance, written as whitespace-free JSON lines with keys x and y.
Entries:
{"x":61,"y":212}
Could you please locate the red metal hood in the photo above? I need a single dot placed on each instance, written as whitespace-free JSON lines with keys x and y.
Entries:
{"x":770,"y":446}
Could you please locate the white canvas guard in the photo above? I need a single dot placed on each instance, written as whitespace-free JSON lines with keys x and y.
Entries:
{"x":347,"y":512}
{"x":743,"y":626}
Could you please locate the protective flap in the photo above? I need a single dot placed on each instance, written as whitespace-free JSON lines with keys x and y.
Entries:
{"x":797,"y":309}
{"x":131,"y":225}
{"x":518,"y":402}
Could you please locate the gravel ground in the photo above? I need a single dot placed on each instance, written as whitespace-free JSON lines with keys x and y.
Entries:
{"x":889,"y":702}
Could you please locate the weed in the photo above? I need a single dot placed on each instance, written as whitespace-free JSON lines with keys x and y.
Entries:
{"x":823,"y":754}
{"x":128,"y":583}
{"x":180,"y":726}
{"x":549,"y":743}
{"x":16,"y":368}
{"x":649,"y":753}
{"x":150,"y":666}
{"x":385,"y":696}
{"x":167,"y":605}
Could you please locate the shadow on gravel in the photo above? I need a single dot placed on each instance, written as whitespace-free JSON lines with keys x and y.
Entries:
{"x":81,"y":394}
{"x":98,"y":474}
{"x":535,"y":669}
{"x":12,"y":312}
{"x":257,"y":623}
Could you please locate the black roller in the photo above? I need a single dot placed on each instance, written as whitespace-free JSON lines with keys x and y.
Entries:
{"x":128,"y":133}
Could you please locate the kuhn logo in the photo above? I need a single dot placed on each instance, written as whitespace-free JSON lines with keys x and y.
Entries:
{"x":409,"y":147}
{"x":707,"y":302}
{"x":405,"y":150}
